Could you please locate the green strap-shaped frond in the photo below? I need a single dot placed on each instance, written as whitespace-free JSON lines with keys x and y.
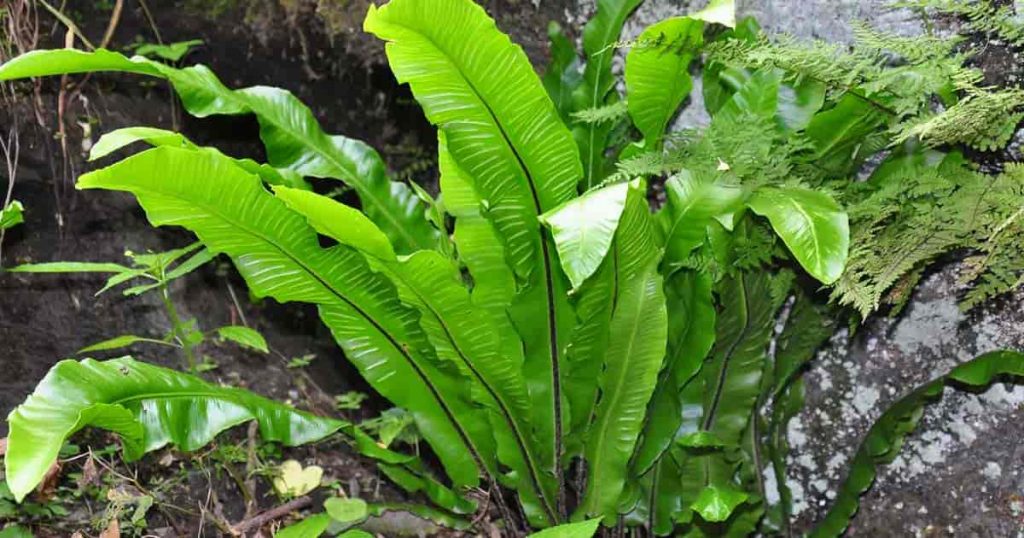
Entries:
{"x":279,"y":256}
{"x":148,"y":406}
{"x":600,"y":40}
{"x":636,"y":349}
{"x":885,"y":438}
{"x":505,"y":135}
{"x":293,"y":138}
{"x":460,"y":332}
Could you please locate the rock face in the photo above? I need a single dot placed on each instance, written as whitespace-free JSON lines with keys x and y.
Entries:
{"x":959,"y":473}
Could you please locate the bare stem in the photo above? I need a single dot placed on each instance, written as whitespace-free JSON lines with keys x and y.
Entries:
{"x":177,"y":328}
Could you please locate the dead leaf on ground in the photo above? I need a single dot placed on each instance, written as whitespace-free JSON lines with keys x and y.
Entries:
{"x":90,"y":474}
{"x":112,"y":531}
{"x":48,"y":487}
{"x":3,"y":446}
{"x":167,"y":459}
{"x":294,"y":480}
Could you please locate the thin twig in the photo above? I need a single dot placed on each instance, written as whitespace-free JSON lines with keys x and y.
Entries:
{"x":262,"y":519}
{"x":11,"y":149}
{"x":240,"y":482}
{"x":177,"y":327}
{"x":115,"y":18}
{"x":251,"y":463}
{"x":234,"y":300}
{"x":204,"y":510}
{"x":151,"y":20}
{"x":483,"y":512}
{"x":135,"y":483}
{"x":68,"y":23}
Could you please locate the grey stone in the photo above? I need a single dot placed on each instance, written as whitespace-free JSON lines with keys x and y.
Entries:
{"x":957,"y":475}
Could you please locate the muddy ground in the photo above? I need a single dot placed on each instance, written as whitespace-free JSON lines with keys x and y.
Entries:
{"x":959,"y":473}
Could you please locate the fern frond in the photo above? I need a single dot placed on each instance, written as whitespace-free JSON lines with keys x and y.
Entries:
{"x":984,"y":120}
{"x":910,"y":49}
{"x":981,"y":17}
{"x":602,"y":114}
{"x":999,"y":268}
{"x":897,"y":228}
{"x":913,"y":217}
{"x":900,"y":75}
{"x":648,"y":164}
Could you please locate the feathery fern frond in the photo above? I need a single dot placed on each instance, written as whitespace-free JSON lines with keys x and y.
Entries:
{"x":897,"y":74}
{"x":749,"y":146}
{"x":984,"y":120}
{"x":999,"y":268}
{"x":602,"y":114}
{"x":981,"y":17}
{"x":910,"y":49}
{"x":914,"y":216}
{"x":903,"y":76}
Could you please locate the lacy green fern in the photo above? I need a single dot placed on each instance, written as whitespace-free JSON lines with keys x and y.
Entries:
{"x":602,"y":114}
{"x":909,"y":218}
{"x":896,"y":74}
{"x":985,"y":120}
{"x":999,"y":267}
{"x":983,"y":17}
{"x":748,"y":146}
{"x":902,"y":76}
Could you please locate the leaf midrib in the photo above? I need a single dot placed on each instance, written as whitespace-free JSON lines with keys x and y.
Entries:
{"x":595,"y":94}
{"x":435,"y":392}
{"x":505,"y":409}
{"x":709,"y":419}
{"x":816,"y":244}
{"x":604,"y":424}
{"x":165,"y":395}
{"x":548,"y":275}
{"x":688,"y":208}
{"x":364,"y":192}
{"x":353,"y":179}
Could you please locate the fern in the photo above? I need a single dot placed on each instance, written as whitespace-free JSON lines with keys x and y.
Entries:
{"x":985,"y":120}
{"x":999,"y":267}
{"x":602,"y":114}
{"x":901,"y":76}
{"x":876,"y":68}
{"x":980,"y":16}
{"x":916,"y":49}
{"x":749,"y":147}
{"x":917,"y":215}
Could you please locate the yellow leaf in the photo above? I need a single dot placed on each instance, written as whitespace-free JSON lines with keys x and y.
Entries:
{"x":292,"y":480}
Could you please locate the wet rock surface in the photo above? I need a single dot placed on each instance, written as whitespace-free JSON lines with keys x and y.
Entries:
{"x":959,"y":473}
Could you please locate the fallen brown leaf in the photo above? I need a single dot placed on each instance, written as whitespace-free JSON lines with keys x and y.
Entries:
{"x":112,"y":531}
{"x":167,"y":459}
{"x":90,"y":474}
{"x":48,"y":487}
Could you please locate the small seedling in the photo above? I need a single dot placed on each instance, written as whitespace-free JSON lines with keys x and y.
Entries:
{"x":350,"y":400}
{"x":300,"y":362}
{"x":153,"y":272}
